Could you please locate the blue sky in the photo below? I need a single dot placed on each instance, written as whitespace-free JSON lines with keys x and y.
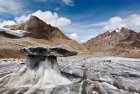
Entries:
{"x":79,"y":19}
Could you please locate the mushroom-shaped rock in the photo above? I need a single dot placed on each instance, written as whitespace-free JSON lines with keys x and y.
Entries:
{"x":37,"y":54}
{"x":43,"y":66}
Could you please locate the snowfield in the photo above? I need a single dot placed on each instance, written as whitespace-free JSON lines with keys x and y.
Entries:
{"x":89,"y":75}
{"x":18,"y":33}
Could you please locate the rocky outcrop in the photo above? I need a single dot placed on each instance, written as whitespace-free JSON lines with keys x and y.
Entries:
{"x":13,"y":27}
{"x":38,"y":54}
{"x":58,"y":51}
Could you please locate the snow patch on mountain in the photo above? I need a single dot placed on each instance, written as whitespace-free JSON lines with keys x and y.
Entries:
{"x":18,"y":33}
{"x":118,"y":30}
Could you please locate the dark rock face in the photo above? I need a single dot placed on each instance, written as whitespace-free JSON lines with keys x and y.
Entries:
{"x":60,"y":51}
{"x":34,"y":60}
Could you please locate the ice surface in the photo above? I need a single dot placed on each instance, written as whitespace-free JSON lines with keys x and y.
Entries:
{"x":42,"y":77}
{"x":97,"y":75}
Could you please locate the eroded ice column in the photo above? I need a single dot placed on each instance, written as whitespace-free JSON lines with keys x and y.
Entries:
{"x":42,"y":62}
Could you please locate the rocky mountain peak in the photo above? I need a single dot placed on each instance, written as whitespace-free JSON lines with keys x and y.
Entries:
{"x":124,"y":30}
{"x":36,"y":28}
{"x":34,"y":18}
{"x":35,"y":22}
{"x":119,"y":41}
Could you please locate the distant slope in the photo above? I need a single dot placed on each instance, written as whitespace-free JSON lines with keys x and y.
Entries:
{"x":121,"y":42}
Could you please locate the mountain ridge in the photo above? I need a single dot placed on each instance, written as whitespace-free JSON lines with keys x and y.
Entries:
{"x":37,"y":28}
{"x":118,"y":42}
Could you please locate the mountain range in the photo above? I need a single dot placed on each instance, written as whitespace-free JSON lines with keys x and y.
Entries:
{"x":120,"y":42}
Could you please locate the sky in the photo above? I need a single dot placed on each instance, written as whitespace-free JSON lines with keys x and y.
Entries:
{"x":78,"y":19}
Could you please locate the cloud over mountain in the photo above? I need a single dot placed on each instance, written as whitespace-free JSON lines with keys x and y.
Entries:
{"x":74,"y":36}
{"x":47,"y":16}
{"x":132,"y":21}
{"x":89,"y":30}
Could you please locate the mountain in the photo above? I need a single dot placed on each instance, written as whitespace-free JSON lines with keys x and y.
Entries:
{"x":33,"y":32}
{"x":121,"y":42}
{"x":36,"y":28}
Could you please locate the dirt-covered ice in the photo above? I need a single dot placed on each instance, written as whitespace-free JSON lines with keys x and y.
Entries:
{"x":88,"y":75}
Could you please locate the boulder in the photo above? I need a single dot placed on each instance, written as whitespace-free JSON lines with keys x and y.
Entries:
{"x":58,"y":51}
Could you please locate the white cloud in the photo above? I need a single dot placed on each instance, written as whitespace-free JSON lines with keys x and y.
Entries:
{"x":21,"y":19}
{"x":132,"y":22}
{"x":74,"y":36}
{"x":80,"y":39}
{"x":88,"y":38}
{"x":6,"y":23}
{"x":113,"y":23}
{"x":63,"y":21}
{"x":10,"y":6}
{"x":46,"y":16}
{"x":81,"y":32}
{"x":68,"y":2}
